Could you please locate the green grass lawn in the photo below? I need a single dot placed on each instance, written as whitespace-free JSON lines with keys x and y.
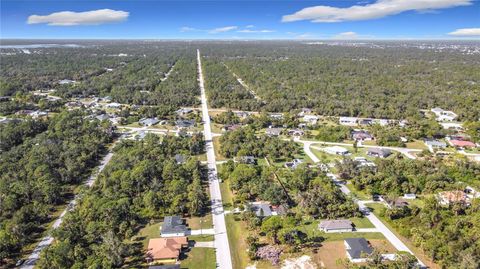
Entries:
{"x":199,"y":258}
{"x":417,"y":144}
{"x":325,"y":157}
{"x":361,"y":222}
{"x":204,"y":222}
{"x":148,"y":232}
{"x":227,"y":195}
{"x":201,"y":238}
{"x":359,"y":194}
{"x":236,"y":231}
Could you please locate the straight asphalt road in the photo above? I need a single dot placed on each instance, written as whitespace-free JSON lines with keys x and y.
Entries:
{"x":222,"y":247}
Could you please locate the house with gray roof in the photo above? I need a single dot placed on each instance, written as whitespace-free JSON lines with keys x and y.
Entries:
{"x":173,"y":226}
{"x":273,"y":131}
{"x":261,"y":209}
{"x":357,"y":249}
{"x":336,"y":226}
{"x":184,"y":123}
{"x":148,"y":121}
{"x":379,"y":152}
{"x":180,"y":159}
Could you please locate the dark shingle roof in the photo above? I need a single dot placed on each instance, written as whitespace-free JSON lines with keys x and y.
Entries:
{"x":173,"y":224}
{"x":357,"y":247}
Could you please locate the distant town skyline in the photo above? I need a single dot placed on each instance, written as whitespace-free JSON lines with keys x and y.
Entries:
{"x":267,"y":19}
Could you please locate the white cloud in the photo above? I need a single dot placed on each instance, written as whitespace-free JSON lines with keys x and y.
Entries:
{"x":70,"y":18}
{"x":466,"y":32}
{"x":222,"y":29}
{"x":378,"y":9}
{"x":248,"y":31}
{"x":346,"y":35}
{"x":250,"y":26}
{"x":188,"y":29}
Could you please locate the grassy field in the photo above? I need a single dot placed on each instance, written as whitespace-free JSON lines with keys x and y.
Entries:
{"x":196,"y":223}
{"x":227,"y":195}
{"x":149,"y":231}
{"x":201,"y":238}
{"x":417,"y":144}
{"x":361,"y":222}
{"x":199,"y":258}
{"x":359,"y":194}
{"x":236,"y":231}
{"x":324,"y":157}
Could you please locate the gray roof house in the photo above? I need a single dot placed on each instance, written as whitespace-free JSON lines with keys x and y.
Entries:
{"x":148,"y":121}
{"x":173,"y":226}
{"x":245,"y":159}
{"x":432,"y":144}
{"x":273,"y":131}
{"x":336,"y":226}
{"x":379,"y":152}
{"x":184,"y":123}
{"x":357,"y":249}
{"x":261,"y":209}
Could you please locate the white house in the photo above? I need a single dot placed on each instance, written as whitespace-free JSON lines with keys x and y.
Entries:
{"x":444,"y":115}
{"x":336,"y":226}
{"x":310,"y":119}
{"x":337,"y":150}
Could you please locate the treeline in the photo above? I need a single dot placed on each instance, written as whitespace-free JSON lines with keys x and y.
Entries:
{"x":41,"y":172}
{"x":397,"y":176}
{"x":388,"y":82}
{"x":142,"y":182}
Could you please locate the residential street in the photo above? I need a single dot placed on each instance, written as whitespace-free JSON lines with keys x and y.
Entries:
{"x":397,"y":243}
{"x":221,"y":240}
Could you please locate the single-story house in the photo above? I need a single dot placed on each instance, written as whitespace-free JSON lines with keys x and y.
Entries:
{"x":173,"y":226}
{"x":337,"y":150}
{"x":231,"y":127}
{"x":379,"y":152}
{"x":336,"y":226}
{"x":444,"y":115}
{"x":261,"y":209}
{"x":184,"y":111}
{"x":361,"y":135}
{"x":435,"y":144}
{"x":462,"y":144}
{"x":280,"y":210}
{"x":452,"y":197}
{"x":383,"y":122}
{"x":148,"y":121}
{"x":296,"y":132}
{"x":161,"y":250}
{"x":184,"y":123}
{"x":273,"y":131}
{"x":245,"y":159}
{"x":293,"y":164}
{"x":398,"y":202}
{"x":357,"y":249}
{"x":348,"y":121}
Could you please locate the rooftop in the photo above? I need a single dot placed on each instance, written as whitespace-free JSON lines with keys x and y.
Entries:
{"x":357,"y":246}
{"x":173,"y":224}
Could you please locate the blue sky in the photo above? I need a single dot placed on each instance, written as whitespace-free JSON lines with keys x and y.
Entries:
{"x":247,"y":19}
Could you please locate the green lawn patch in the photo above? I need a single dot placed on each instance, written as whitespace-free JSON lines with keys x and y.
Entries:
{"x":201,"y":238}
{"x":235,"y":231}
{"x":227,"y":195}
{"x":196,"y":223}
{"x":199,"y":258}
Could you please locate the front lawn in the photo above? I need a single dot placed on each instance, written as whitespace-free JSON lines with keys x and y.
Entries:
{"x":199,"y":258}
{"x":236,"y":231}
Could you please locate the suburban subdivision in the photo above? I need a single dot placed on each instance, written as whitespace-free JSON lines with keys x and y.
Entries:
{"x":249,"y":154}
